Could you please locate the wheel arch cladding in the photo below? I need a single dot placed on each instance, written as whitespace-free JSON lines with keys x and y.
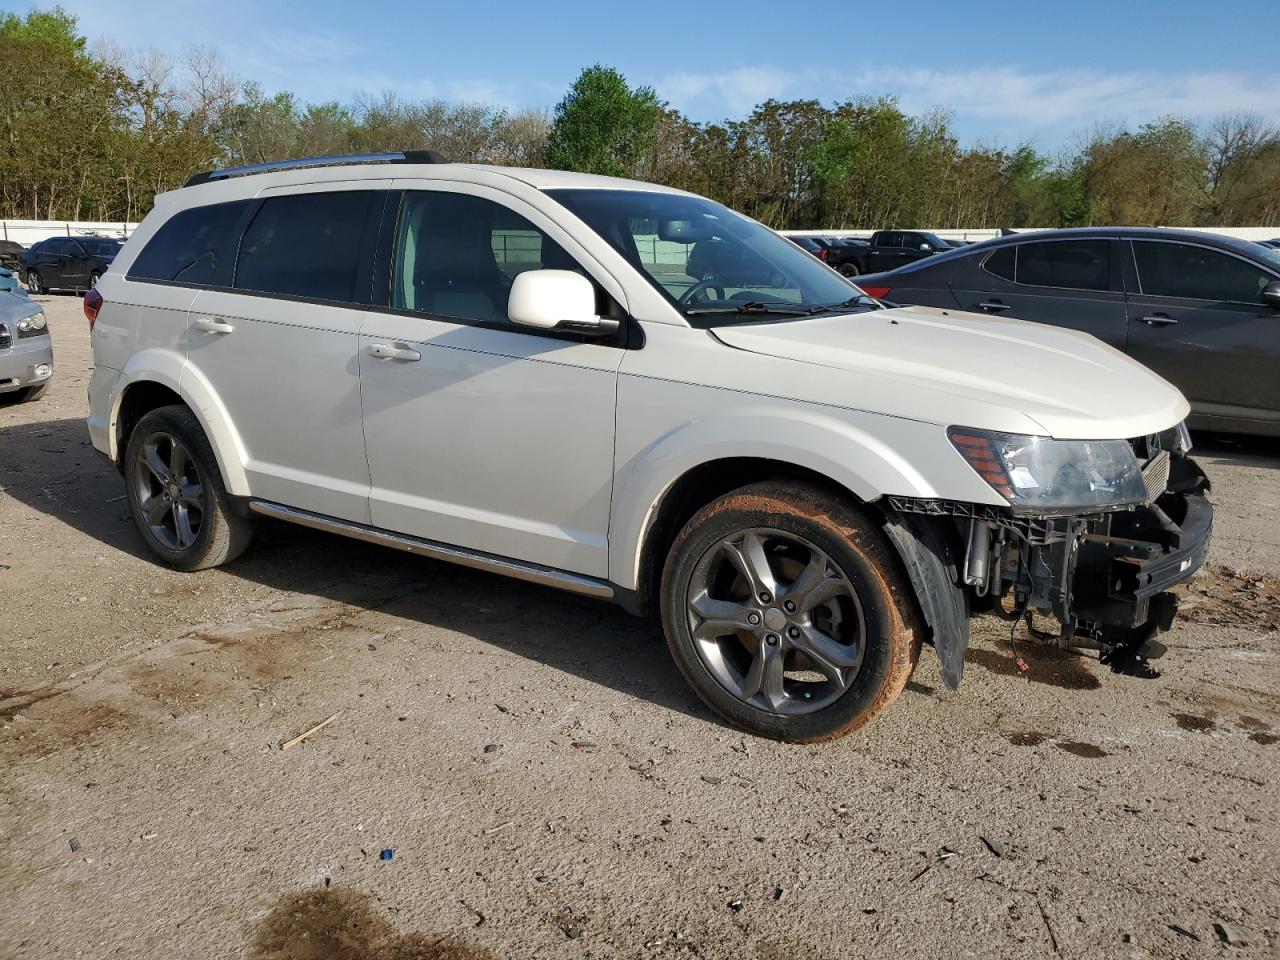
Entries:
{"x":931,"y":559}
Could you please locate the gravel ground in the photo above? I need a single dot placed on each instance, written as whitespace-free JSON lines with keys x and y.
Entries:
{"x":550,"y":788}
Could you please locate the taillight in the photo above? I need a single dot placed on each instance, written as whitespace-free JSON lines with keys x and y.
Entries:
{"x":822,"y":254}
{"x":92,"y":304}
{"x":879,"y":293}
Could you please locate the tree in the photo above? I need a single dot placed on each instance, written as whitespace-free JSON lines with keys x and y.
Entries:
{"x":603,"y":126}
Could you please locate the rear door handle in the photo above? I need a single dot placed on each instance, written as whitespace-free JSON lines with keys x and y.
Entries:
{"x":209,"y":325}
{"x":993,"y":306}
{"x":385,"y":351}
{"x":1158,"y":320}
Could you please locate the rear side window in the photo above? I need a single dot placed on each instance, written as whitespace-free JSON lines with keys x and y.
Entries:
{"x":306,"y":245}
{"x":1072,"y":264}
{"x":1197,"y":273}
{"x":889,"y":240}
{"x":195,"y":246}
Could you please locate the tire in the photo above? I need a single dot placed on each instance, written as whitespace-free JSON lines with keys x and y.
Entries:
{"x":32,"y":394}
{"x":869,"y":631}
{"x":93,"y":279}
{"x":849,"y":269}
{"x":176,"y":493}
{"x":34,"y":285}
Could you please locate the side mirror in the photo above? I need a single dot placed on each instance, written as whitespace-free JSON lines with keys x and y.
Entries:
{"x":557,"y":300}
{"x":1271,"y":294}
{"x":925,"y":246}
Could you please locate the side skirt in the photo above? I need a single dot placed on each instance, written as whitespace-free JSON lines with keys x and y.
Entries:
{"x":530,"y":572}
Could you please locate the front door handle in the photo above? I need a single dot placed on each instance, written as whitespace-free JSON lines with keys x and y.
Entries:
{"x":993,"y":306}
{"x":385,"y":351}
{"x":1158,"y":320}
{"x":210,"y":325}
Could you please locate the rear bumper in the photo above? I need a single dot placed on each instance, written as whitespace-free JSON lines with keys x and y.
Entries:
{"x":26,"y":364}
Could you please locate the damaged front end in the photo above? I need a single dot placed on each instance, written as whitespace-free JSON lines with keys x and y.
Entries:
{"x":1103,"y":571}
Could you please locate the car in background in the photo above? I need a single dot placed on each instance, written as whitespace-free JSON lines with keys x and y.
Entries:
{"x":1201,"y":310}
{"x":26,"y":350}
{"x":8,"y":283}
{"x":890,"y":249}
{"x":845,"y":254}
{"x":1272,"y":244}
{"x":11,"y":255}
{"x":67,"y":263}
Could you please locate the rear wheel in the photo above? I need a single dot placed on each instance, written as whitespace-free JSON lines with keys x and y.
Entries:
{"x":93,"y":280}
{"x":849,"y":269}
{"x":176,"y":493}
{"x":787,"y":613}
{"x":34,"y":283}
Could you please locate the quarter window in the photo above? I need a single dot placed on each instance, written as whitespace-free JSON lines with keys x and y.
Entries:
{"x":194,"y":246}
{"x":306,"y":245}
{"x":1073,"y":264}
{"x":457,"y":255}
{"x":1001,"y":263}
{"x":1197,"y":273}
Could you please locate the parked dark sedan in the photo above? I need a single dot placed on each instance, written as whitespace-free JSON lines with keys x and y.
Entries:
{"x":1201,"y":310}
{"x":67,"y":263}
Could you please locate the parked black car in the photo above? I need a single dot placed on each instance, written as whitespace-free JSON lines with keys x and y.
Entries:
{"x":11,"y":255}
{"x":67,"y":263}
{"x":1201,"y":310}
{"x":891,"y":249}
{"x":846,"y":254}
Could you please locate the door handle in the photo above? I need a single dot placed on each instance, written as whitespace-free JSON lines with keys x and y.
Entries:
{"x":385,"y":351}
{"x":209,"y":325}
{"x":993,"y":306}
{"x":1158,"y":320}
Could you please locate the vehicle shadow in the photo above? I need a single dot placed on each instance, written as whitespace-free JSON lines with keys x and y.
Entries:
{"x":50,"y":467}
{"x":1238,"y":448}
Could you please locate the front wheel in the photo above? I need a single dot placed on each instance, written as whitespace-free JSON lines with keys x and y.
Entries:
{"x":849,"y":269}
{"x":787,"y":613}
{"x":93,"y":280}
{"x":176,"y":493}
{"x":34,"y":285}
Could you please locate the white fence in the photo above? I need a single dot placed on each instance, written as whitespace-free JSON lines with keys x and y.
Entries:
{"x":1240,"y":233}
{"x":27,"y":232}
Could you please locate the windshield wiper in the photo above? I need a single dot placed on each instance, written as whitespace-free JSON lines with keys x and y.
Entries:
{"x":751,"y":306}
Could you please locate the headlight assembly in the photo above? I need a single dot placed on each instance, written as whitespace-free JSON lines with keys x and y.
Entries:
{"x":1036,"y":474}
{"x":33,"y":326}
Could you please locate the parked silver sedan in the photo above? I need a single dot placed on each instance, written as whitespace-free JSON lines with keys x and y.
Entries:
{"x":26,"y":349}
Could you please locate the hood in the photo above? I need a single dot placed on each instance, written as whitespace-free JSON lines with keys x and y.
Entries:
{"x":1072,"y":384}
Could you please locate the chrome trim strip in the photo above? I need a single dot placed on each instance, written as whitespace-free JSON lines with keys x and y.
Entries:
{"x":529,"y":572}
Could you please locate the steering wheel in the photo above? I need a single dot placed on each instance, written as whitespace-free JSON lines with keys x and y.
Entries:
{"x":699,"y":288}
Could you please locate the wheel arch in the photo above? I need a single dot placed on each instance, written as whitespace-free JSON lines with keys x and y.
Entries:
{"x":163,"y":379}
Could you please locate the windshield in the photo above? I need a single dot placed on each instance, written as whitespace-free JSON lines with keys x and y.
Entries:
{"x":100,"y":247}
{"x":715,"y":265}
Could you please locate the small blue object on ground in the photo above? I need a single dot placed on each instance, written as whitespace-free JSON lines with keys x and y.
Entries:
{"x":386,"y":854}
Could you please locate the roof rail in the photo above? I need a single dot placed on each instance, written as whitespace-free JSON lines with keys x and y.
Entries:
{"x":397,"y":156}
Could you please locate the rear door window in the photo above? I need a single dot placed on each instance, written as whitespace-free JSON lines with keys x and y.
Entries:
{"x":889,"y":240}
{"x":196,"y":246}
{"x":307,"y":245}
{"x":1197,"y":273}
{"x":1069,"y":264}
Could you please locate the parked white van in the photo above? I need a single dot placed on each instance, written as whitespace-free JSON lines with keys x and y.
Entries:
{"x":636,"y":394}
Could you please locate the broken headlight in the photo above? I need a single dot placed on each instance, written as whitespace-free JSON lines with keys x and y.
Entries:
{"x":1036,"y":474}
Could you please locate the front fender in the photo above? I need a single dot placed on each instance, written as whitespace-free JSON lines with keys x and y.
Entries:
{"x":868,"y":455}
{"x":170,"y":369}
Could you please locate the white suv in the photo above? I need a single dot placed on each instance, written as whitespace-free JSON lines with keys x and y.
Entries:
{"x":636,"y":394}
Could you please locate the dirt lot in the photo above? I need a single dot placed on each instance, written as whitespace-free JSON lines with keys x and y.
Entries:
{"x":549,"y":786}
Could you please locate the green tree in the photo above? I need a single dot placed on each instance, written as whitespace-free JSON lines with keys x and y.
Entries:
{"x":603,"y":126}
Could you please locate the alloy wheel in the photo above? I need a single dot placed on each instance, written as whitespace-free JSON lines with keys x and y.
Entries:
{"x":776,"y":621}
{"x":169,"y":491}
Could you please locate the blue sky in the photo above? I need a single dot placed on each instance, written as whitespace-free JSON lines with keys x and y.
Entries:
{"x":1009,"y":72}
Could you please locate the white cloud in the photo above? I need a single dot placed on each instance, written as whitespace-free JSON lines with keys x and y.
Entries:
{"x":1011,"y":100}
